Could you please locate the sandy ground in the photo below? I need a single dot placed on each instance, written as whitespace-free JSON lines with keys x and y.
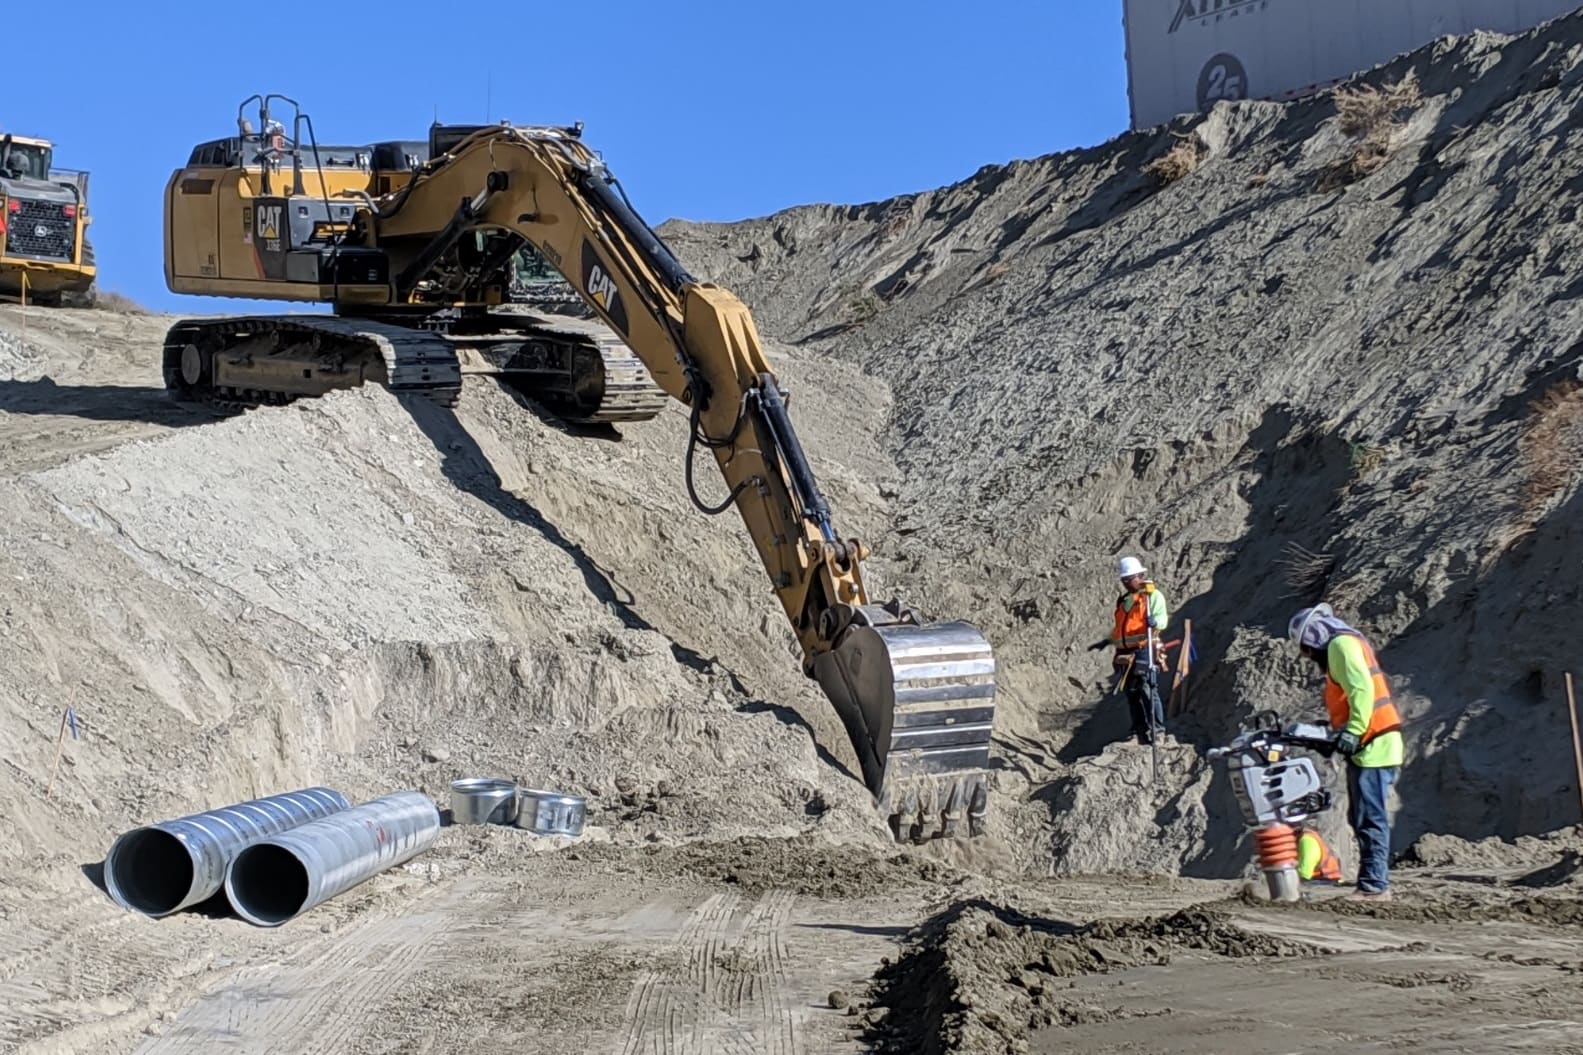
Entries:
{"x":493,"y":943}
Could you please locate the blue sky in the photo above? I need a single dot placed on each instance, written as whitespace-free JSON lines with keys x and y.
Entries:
{"x":704,"y":109}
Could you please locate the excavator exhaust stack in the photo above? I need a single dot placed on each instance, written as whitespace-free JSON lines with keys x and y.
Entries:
{"x":918,"y":701}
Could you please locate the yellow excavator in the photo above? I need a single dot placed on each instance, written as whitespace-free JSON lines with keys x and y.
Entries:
{"x":415,"y":244}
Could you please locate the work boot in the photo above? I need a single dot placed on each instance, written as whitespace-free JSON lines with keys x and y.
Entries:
{"x":1144,"y":737}
{"x":1369,"y":895}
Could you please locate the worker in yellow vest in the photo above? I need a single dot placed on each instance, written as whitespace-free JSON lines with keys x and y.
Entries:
{"x":1315,"y":860}
{"x":1368,"y":735}
{"x":1141,"y":616}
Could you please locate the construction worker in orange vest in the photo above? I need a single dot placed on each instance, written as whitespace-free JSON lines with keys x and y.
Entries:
{"x":1368,"y":735}
{"x":1141,"y":616}
{"x":1315,"y":860}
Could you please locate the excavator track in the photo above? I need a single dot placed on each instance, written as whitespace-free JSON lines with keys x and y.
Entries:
{"x":234,"y":363}
{"x":577,"y":367}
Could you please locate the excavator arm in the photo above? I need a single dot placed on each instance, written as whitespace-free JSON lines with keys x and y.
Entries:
{"x":917,"y":700}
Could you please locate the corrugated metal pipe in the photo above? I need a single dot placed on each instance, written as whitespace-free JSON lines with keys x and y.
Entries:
{"x":285,"y":875}
{"x":160,"y":868}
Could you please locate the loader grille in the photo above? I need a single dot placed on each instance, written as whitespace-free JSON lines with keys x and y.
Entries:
{"x":38,"y":230}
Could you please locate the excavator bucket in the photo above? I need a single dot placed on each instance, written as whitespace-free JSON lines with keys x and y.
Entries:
{"x":918,"y":702}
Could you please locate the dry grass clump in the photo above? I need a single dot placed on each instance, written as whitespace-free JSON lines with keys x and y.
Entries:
{"x":1181,"y":161}
{"x":1367,"y":111}
{"x":119,"y":303}
{"x":1551,"y":449}
{"x":1370,"y":117}
{"x":895,"y":220}
{"x":1366,"y":457}
{"x":859,"y":304}
{"x":1305,"y":571}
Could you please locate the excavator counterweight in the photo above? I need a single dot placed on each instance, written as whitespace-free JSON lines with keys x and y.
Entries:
{"x":417,"y":247}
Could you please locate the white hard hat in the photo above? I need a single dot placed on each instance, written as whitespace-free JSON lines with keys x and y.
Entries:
{"x":1129,"y":567}
{"x":1298,"y":624}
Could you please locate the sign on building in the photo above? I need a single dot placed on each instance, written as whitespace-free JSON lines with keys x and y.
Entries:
{"x":1185,"y":55}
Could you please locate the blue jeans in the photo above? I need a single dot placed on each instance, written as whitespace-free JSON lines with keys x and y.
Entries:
{"x":1143,"y":694}
{"x":1368,"y":790}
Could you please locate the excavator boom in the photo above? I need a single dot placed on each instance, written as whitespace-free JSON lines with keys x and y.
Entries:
{"x":917,"y":699}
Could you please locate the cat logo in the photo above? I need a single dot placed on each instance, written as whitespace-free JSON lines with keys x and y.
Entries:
{"x":266,"y":222}
{"x":268,"y":217}
{"x":602,"y":290}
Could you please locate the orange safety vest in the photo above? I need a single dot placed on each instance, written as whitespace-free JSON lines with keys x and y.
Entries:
{"x":1385,"y":718}
{"x":1329,"y":866}
{"x":1132,"y":627}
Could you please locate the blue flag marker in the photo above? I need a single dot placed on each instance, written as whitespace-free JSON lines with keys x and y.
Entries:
{"x":71,"y":722}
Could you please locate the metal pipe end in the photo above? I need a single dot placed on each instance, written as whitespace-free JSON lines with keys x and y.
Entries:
{"x":150,"y":871}
{"x":545,"y":812}
{"x":267,"y":884}
{"x":483,"y":800}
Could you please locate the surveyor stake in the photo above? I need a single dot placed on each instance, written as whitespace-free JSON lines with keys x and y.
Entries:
{"x":1577,"y":745}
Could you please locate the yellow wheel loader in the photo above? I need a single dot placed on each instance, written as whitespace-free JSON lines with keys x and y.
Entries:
{"x":45,"y":256}
{"x":417,"y":244}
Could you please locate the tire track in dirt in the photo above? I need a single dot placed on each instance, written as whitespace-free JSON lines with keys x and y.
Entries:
{"x":318,"y":1006}
{"x":46,"y":983}
{"x":699,"y":999}
{"x":644,"y":1025}
{"x":768,"y":954}
{"x":728,"y":998}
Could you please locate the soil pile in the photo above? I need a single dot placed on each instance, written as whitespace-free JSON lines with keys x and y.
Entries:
{"x":980,"y":976}
{"x":1294,"y":373}
{"x":1493,"y":855}
{"x":345,"y":591}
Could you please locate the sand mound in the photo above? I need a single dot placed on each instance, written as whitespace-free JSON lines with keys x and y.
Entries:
{"x":341,"y":592}
{"x":980,"y":976}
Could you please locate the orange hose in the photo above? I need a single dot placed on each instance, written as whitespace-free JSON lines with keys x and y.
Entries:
{"x":1277,"y":846}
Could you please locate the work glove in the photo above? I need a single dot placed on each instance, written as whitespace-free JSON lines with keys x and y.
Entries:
{"x":1347,"y":744}
{"x":1097,"y":645}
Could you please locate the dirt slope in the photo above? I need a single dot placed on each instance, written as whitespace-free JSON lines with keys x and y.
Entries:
{"x":1086,"y":363}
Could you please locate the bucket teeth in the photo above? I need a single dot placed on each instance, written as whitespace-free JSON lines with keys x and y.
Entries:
{"x":951,"y":816}
{"x":934,"y":808}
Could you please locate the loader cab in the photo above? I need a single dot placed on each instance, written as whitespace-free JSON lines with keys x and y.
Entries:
{"x":44,"y":250}
{"x":25,"y":158}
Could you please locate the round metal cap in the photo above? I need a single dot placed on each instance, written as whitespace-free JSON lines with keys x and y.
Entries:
{"x":551,"y":813}
{"x":483,"y":800}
